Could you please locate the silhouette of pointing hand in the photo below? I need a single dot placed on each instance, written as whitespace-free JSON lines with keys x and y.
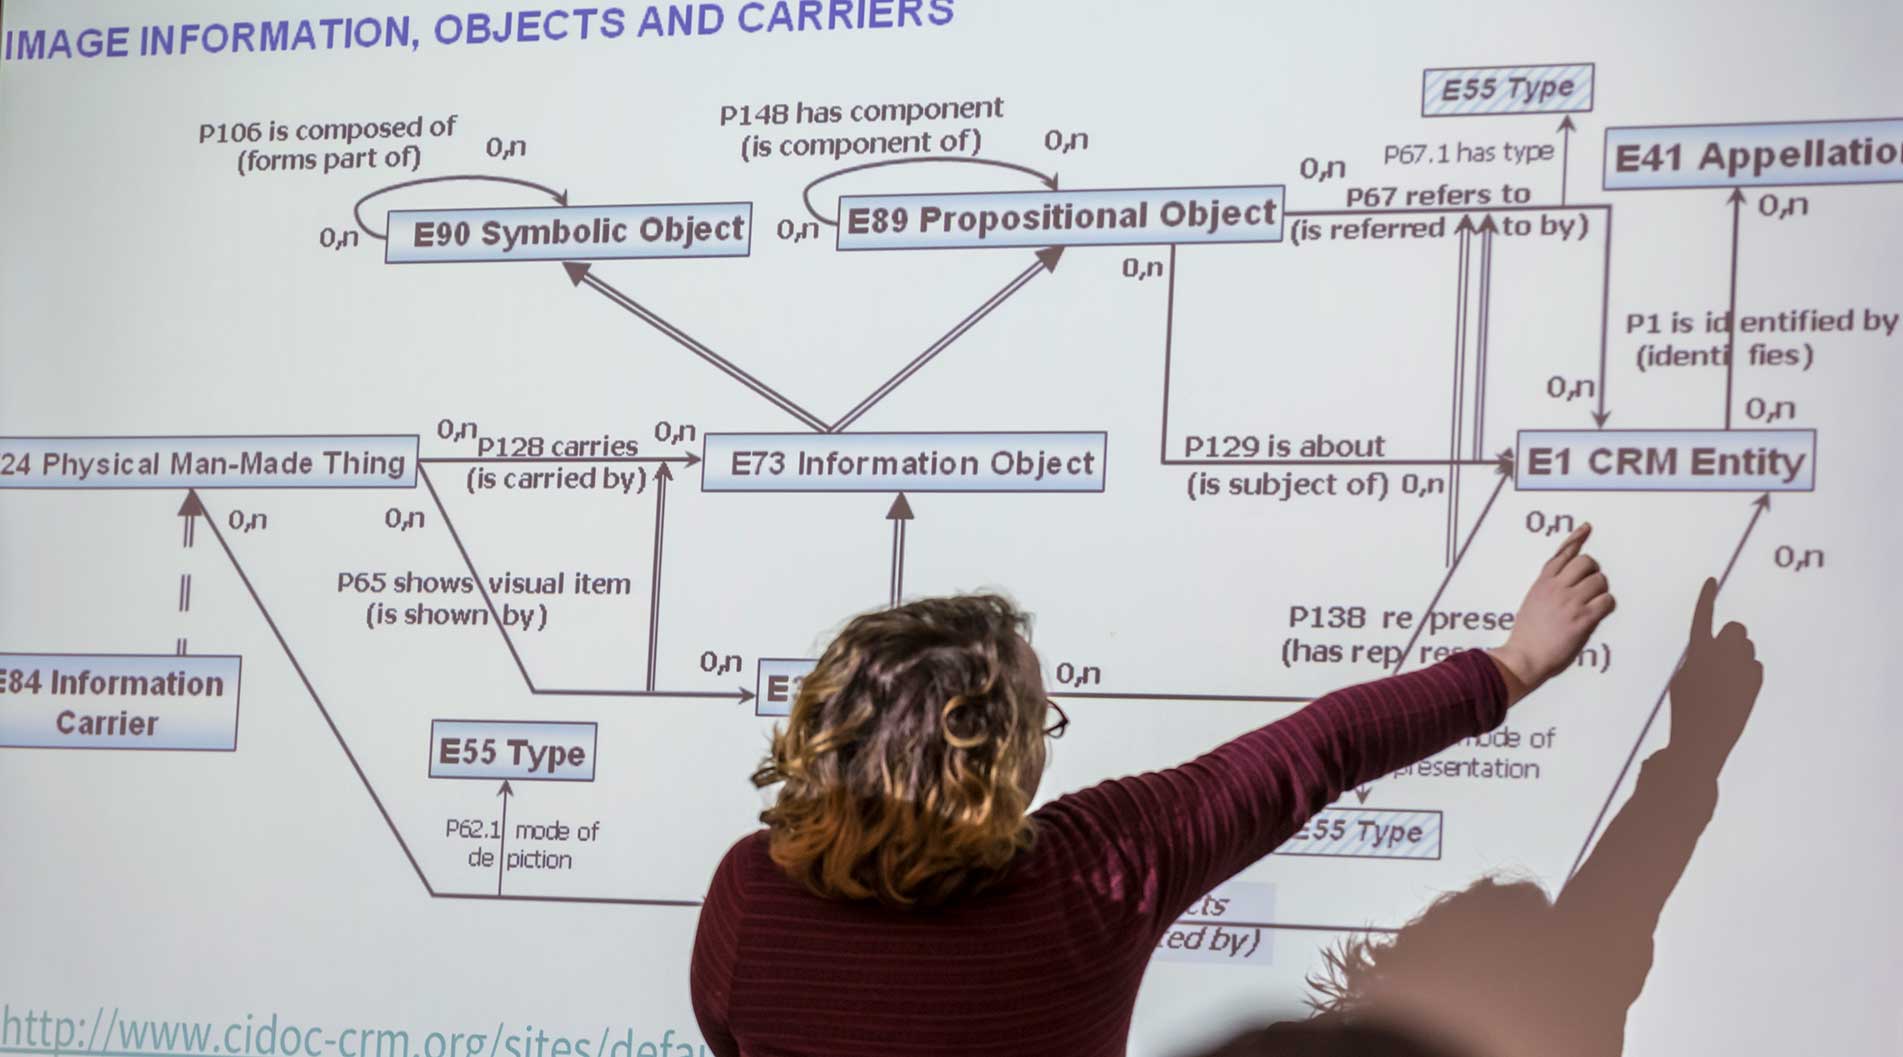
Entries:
{"x":1714,"y":690}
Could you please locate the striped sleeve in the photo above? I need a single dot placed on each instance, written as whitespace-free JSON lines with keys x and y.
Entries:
{"x":716,"y":948}
{"x":1165,"y":838}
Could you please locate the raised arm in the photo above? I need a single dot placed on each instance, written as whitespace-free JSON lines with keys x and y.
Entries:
{"x":1608,"y":910}
{"x":1156,"y":842}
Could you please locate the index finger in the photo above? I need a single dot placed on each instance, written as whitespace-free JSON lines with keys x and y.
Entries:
{"x":1568,"y":548}
{"x":1701,"y":613}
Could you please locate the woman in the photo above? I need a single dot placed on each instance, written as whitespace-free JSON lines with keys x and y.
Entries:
{"x":902,"y":898}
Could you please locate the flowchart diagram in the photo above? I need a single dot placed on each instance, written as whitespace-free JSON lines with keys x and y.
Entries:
{"x":1497,"y":416}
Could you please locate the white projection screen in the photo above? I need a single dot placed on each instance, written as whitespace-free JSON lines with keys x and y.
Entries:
{"x":435,"y":440}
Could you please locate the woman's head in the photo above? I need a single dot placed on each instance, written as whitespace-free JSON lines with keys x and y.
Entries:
{"x":911,"y":754}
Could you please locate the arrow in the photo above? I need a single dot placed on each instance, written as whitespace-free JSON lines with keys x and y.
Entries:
{"x":362,"y":778}
{"x":1505,"y":476}
{"x":580,"y":273}
{"x":1494,"y":461}
{"x":738,"y":695}
{"x":1487,"y":230}
{"x":502,"y":855}
{"x":1163,"y":438}
{"x":189,"y":511}
{"x":684,"y":460}
{"x":654,"y":597}
{"x":807,"y":195}
{"x":357,"y":210}
{"x":495,"y":618}
{"x":899,"y":514}
{"x":1106,"y":695}
{"x":1231,"y":923}
{"x":1465,"y":230}
{"x":1731,"y":316}
{"x":1760,"y":505}
{"x":578,"y":900}
{"x":1046,"y":262}
{"x":1600,"y":415}
{"x":1361,"y":793}
{"x":1169,"y":349}
{"x":1565,"y":129}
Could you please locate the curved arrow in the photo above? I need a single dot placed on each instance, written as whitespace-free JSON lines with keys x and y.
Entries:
{"x":807,"y":195}
{"x":357,"y":210}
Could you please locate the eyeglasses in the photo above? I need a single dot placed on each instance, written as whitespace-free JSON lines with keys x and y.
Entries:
{"x":1057,"y":729}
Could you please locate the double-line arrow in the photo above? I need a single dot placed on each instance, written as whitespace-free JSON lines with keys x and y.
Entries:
{"x":654,"y":592}
{"x":1046,"y":262}
{"x":900,"y":515}
{"x":582,"y":274}
{"x":741,"y":694}
{"x":1759,"y":505}
{"x":1462,"y":295}
{"x":1506,"y":474}
{"x":194,"y":508}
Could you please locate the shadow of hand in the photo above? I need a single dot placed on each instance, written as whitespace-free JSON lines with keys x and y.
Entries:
{"x":1715,"y":688}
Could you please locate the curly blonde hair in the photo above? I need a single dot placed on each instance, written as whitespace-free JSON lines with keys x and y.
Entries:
{"x":909,"y":759}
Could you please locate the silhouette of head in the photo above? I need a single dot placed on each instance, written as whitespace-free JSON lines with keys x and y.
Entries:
{"x":1451,"y":975}
{"x":1328,"y":1037}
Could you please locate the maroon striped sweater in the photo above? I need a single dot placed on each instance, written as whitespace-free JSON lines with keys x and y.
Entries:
{"x":1048,"y":960}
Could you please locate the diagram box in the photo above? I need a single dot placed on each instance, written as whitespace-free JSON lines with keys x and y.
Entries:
{"x":569,"y":233}
{"x":519,"y":751}
{"x":1120,"y":216}
{"x":1368,"y":833}
{"x":1666,"y":460}
{"x":151,"y":702}
{"x":903,"y":462}
{"x":345,"y":460}
{"x":1753,"y":154}
{"x":778,"y":682}
{"x":1480,"y":91}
